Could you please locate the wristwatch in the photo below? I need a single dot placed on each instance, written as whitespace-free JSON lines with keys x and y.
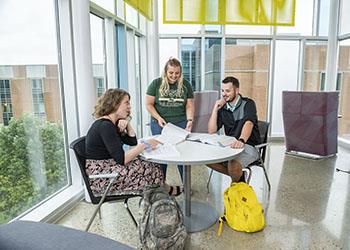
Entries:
{"x":241,"y":140}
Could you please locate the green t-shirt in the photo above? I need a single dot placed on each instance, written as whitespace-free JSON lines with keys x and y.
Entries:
{"x":171,"y":107}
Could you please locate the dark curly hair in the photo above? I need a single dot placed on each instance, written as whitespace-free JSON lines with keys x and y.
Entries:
{"x":109,"y":102}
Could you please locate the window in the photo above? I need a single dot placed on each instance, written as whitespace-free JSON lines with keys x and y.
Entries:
{"x":6,"y":102}
{"x":98,"y":52}
{"x":38,"y":97}
{"x":315,"y":55}
{"x":248,"y":61}
{"x":32,"y":152}
{"x":191,"y":61}
{"x":323,"y":80}
{"x":100,"y":87}
{"x":212,"y":79}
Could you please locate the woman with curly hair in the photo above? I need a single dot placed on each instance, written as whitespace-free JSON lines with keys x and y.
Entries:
{"x":105,"y":153}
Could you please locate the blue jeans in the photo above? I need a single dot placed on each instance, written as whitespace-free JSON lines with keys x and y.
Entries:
{"x":157,"y":130}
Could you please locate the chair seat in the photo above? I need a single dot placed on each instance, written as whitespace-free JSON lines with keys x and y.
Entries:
{"x":29,"y":235}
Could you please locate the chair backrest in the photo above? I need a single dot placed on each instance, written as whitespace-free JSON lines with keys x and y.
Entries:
{"x":78,"y":147}
{"x":263,"y":130}
{"x":203,"y":105}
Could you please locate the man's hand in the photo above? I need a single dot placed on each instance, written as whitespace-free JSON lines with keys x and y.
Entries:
{"x":189,"y":126}
{"x":220,"y":103}
{"x":237,"y":144}
{"x":161,"y":122}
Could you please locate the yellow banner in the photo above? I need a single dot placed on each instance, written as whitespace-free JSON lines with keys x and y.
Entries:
{"x":145,"y":7}
{"x":250,"y":12}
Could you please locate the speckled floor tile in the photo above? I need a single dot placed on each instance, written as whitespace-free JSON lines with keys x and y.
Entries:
{"x":308,"y":207}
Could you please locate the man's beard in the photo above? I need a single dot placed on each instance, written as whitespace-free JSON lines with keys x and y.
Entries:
{"x":231,"y":98}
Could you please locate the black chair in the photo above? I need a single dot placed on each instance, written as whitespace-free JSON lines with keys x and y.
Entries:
{"x":263,"y":129}
{"x":78,"y":147}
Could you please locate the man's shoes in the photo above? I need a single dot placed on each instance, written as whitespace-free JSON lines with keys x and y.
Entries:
{"x":177,"y":192}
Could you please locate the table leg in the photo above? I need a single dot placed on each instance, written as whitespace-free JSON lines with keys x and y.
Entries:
{"x":187,"y":190}
{"x":198,"y":216}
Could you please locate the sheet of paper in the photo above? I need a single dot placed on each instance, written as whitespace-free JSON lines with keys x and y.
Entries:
{"x":172,"y":134}
{"x":213,"y":139}
{"x":164,"y":150}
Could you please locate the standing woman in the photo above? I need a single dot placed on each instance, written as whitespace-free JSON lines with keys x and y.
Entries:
{"x":105,"y":153}
{"x":170,"y":99}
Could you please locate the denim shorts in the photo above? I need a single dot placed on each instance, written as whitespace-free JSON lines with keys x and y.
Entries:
{"x":246,"y":157}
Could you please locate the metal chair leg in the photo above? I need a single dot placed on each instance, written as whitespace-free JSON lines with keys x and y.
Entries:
{"x":100,"y":203}
{"x":249,"y":174}
{"x":266,"y":176}
{"x":208,"y":183}
{"x":126,"y":205}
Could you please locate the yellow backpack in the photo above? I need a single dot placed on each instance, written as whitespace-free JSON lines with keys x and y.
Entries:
{"x":243,"y":212}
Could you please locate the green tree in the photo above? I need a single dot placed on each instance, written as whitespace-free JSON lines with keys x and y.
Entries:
{"x":32,"y":164}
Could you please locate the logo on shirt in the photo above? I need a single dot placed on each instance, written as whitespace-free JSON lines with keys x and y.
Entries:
{"x":171,"y":100}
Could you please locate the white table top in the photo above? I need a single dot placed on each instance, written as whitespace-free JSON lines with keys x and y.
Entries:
{"x":192,"y":153}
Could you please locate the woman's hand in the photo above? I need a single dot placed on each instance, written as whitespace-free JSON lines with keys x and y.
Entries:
{"x":189,"y":126}
{"x":153,"y":143}
{"x":161,"y":122}
{"x":122,"y":125}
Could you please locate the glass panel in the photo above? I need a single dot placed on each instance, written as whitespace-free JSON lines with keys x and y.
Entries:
{"x":175,"y":28}
{"x":212,"y":79}
{"x":212,"y":29}
{"x":324,"y":18}
{"x":32,"y":158}
{"x":131,"y":15}
{"x":120,"y":9}
{"x":314,"y":65}
{"x":191,"y":61}
{"x":97,"y":52}
{"x":143,"y":24}
{"x":344,"y":85}
{"x":106,"y":4}
{"x":248,"y":30}
{"x":303,"y":20}
{"x":38,"y":98}
{"x":345,"y":17}
{"x":248,"y":61}
{"x":138,"y":104}
{"x":167,"y":48}
{"x":285,"y":78}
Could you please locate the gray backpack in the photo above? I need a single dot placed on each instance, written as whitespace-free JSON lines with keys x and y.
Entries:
{"x":161,"y":225}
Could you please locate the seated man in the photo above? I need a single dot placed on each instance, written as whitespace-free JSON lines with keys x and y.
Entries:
{"x":238,"y":116}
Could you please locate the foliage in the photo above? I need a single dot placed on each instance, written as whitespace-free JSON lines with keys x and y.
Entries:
{"x":32,"y":164}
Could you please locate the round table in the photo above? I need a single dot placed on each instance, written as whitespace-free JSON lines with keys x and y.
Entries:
{"x":198,"y":216}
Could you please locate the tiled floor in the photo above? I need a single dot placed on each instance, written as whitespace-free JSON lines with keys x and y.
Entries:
{"x":308,"y":207}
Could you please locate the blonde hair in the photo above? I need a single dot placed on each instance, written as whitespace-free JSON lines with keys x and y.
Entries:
{"x":109,"y":102}
{"x":164,"y":87}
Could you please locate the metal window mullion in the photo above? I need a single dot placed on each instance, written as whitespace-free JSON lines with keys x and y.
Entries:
{"x":271,"y":81}
{"x":300,"y":83}
{"x":202,"y":86}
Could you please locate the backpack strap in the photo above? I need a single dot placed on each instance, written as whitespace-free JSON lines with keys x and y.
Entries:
{"x":222,"y":219}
